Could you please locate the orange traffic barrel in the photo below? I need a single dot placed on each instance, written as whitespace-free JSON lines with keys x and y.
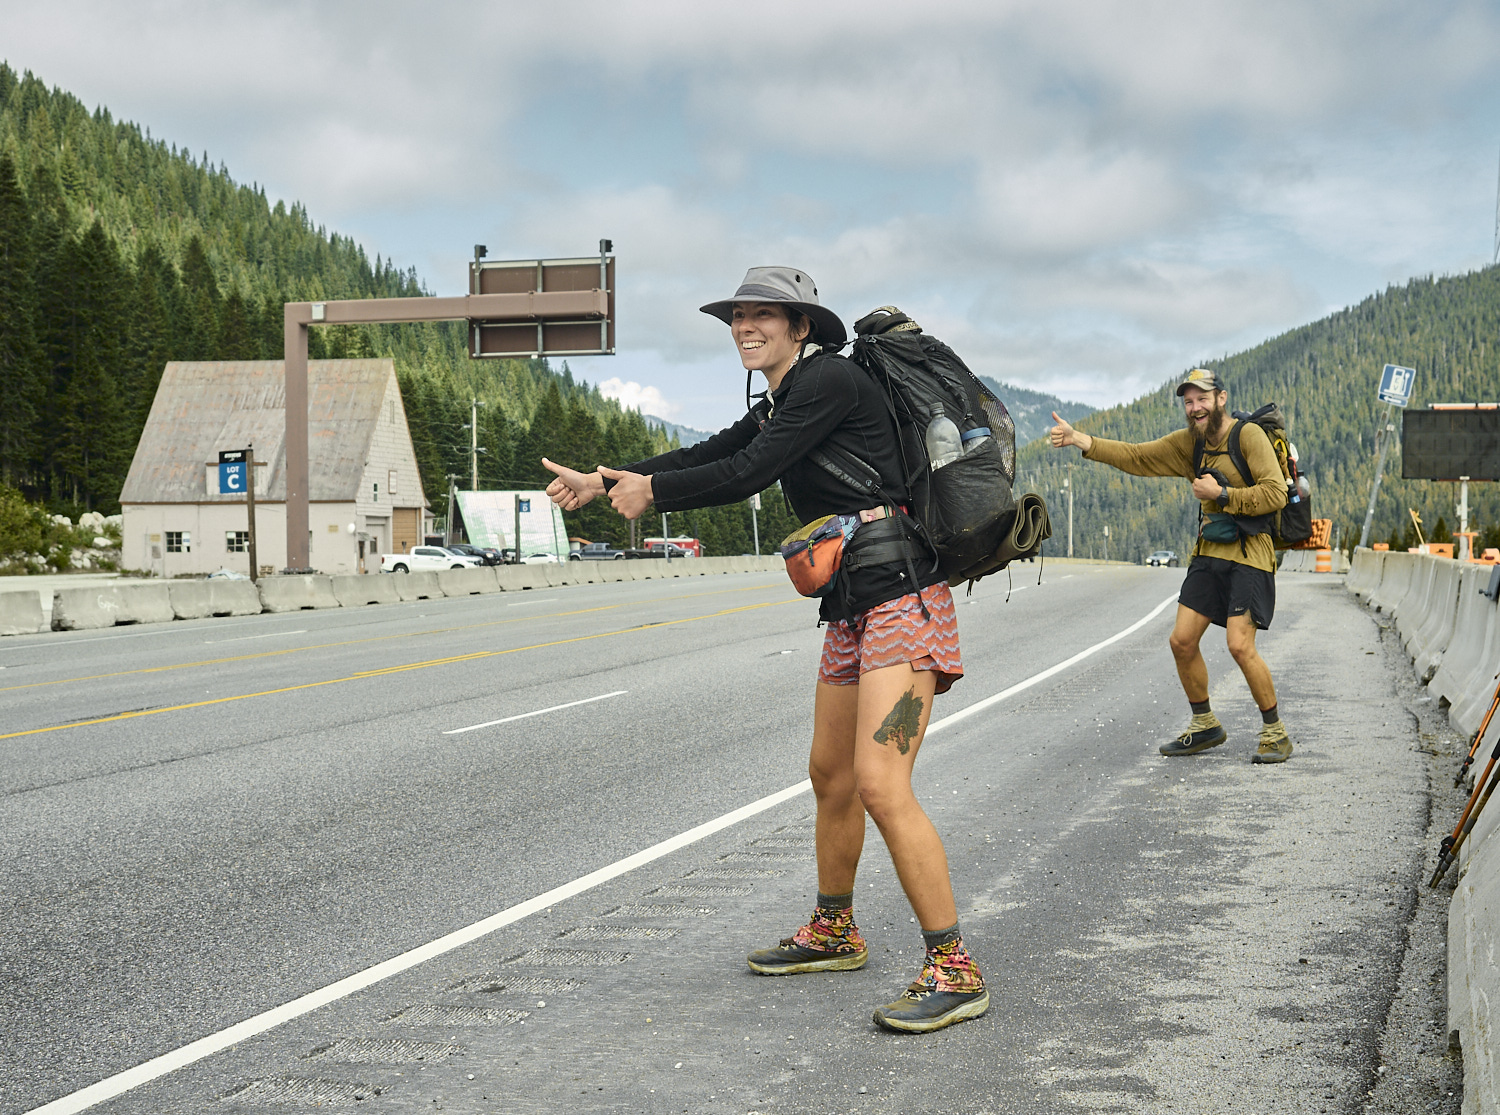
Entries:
{"x":1324,"y":563}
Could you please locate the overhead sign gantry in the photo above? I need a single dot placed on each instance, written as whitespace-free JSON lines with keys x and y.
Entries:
{"x":515,"y":309}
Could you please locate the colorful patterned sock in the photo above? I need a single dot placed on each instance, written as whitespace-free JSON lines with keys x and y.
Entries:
{"x":949,"y":967}
{"x":832,"y":927}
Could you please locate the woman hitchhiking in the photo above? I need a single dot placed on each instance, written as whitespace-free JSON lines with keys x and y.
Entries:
{"x":892,"y":637}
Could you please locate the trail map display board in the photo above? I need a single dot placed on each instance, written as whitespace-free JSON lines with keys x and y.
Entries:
{"x":1447,"y":443}
{"x":489,"y":519}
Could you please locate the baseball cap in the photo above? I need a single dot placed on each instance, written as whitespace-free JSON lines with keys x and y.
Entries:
{"x":1201,"y":378}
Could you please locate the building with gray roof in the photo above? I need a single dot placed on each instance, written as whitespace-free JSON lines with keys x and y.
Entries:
{"x":365,"y":490}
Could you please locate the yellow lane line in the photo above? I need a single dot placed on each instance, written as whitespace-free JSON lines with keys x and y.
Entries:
{"x":354,"y":642}
{"x":365,"y":674}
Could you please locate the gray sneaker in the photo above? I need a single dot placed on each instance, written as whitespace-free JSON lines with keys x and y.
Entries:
{"x":1204,"y":731}
{"x":1275,"y":744}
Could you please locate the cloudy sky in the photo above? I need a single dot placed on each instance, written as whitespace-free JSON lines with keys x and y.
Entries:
{"x":1082,"y":198}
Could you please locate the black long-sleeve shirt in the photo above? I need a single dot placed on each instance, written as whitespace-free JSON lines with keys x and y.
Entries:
{"x":825,"y":401}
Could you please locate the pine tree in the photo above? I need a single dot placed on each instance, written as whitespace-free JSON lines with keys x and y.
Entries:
{"x":22,"y":383}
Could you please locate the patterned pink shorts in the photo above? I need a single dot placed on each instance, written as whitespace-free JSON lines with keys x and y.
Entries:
{"x":895,"y":632}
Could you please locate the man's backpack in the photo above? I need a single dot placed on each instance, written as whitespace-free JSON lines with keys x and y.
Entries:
{"x":964,"y":508}
{"x":1292,"y":525}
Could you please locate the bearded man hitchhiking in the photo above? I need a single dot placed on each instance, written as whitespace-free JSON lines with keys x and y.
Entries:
{"x":1231,"y":580}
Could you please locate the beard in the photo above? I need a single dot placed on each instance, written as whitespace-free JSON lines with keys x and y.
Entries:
{"x":1214,"y":424}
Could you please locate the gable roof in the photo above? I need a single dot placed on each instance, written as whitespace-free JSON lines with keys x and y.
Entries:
{"x":202,"y":407}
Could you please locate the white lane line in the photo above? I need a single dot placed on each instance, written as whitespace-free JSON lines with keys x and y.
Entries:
{"x":538,"y":712}
{"x":246,"y":638}
{"x":122,"y":1082}
{"x":544,"y":600}
{"x":1034,"y":679}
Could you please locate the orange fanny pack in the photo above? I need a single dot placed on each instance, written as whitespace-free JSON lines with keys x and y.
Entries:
{"x":814,"y":554}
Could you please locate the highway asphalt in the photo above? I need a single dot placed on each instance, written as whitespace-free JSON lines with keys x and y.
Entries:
{"x":204,"y":821}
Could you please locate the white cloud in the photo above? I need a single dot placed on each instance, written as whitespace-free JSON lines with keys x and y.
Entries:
{"x":634,"y":396}
{"x":1079,"y":194}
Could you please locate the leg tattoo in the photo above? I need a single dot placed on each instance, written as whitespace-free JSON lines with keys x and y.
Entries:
{"x":902,"y":722}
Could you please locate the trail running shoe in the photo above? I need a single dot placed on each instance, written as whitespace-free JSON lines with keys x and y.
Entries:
{"x":1275,"y":744}
{"x":1204,"y":731}
{"x":948,"y":990}
{"x":822,"y":945}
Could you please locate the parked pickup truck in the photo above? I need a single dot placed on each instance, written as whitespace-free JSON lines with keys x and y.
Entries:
{"x":596,"y":551}
{"x":426,"y":557}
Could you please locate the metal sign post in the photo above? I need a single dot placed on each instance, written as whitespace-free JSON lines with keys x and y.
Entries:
{"x":250,"y":510}
{"x":1395,"y":391}
{"x":755,"y":520}
{"x":519,"y":309}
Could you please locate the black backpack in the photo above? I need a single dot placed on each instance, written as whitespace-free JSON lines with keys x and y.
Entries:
{"x":964,"y":510}
{"x":1293,"y":523}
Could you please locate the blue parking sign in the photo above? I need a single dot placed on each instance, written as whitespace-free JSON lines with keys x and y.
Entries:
{"x":233,"y":470}
{"x":1395,"y":384}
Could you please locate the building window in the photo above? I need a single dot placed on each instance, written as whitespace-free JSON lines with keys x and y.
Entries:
{"x":236,"y":541}
{"x":375,"y":491}
{"x":179,"y":542}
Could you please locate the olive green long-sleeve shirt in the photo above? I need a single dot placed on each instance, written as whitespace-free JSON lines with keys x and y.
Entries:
{"x":1259,"y":494}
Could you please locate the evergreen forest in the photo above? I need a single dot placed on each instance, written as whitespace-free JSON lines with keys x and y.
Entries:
{"x":120,"y":252}
{"x":1325,"y":376}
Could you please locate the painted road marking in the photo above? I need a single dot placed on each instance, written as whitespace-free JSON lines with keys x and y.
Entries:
{"x":247,"y":638}
{"x":348,"y":642}
{"x":365,"y":674}
{"x":122,"y":1082}
{"x":538,"y":712}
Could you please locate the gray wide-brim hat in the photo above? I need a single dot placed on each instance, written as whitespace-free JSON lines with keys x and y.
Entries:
{"x":790,"y":287}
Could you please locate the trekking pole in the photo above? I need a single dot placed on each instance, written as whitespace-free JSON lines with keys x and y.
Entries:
{"x":1449,"y":848}
{"x":1479,"y":735}
{"x":1468,"y":828}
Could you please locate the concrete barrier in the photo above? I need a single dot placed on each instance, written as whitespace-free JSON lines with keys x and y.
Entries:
{"x":1395,"y":581}
{"x":1463,"y":660}
{"x":1431,"y":638}
{"x":1467,"y":709}
{"x":473,"y":581}
{"x":1414,"y":608}
{"x":297,"y":592}
{"x":216,"y":596}
{"x":422,"y":585}
{"x":1364,"y":572}
{"x":561,"y":574}
{"x":83,"y":609}
{"x":1296,"y":561}
{"x":21,"y":613}
{"x":355,"y":590}
{"x":517,"y":578}
{"x":1473,"y":977}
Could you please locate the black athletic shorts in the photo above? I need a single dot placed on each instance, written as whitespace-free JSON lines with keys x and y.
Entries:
{"x":1219,"y":588}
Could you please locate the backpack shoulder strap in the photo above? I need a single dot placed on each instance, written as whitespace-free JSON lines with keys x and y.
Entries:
{"x":1237,"y":456}
{"x":1197,"y":457}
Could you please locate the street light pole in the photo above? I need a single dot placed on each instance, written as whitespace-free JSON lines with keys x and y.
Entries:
{"x":1068,"y":484}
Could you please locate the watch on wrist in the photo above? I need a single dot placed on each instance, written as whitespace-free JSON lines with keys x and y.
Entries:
{"x":1222,"y":498}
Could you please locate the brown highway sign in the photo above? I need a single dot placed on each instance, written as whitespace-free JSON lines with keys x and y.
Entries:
{"x":557,"y":331}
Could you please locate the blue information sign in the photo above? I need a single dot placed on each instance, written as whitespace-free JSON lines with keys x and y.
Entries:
{"x":233,"y":469}
{"x":1395,"y":384}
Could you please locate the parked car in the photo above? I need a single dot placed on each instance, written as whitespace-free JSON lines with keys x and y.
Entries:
{"x":1162,"y":557}
{"x":539,"y":559}
{"x":487,"y":555}
{"x":668,"y":549}
{"x":596,"y":551}
{"x":427,"y":557}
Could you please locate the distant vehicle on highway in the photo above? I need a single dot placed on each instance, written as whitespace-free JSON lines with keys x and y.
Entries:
{"x":668,"y":549}
{"x":1162,"y":557}
{"x":487,"y":555}
{"x":427,"y":557}
{"x":596,"y":551}
{"x":539,"y":559}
